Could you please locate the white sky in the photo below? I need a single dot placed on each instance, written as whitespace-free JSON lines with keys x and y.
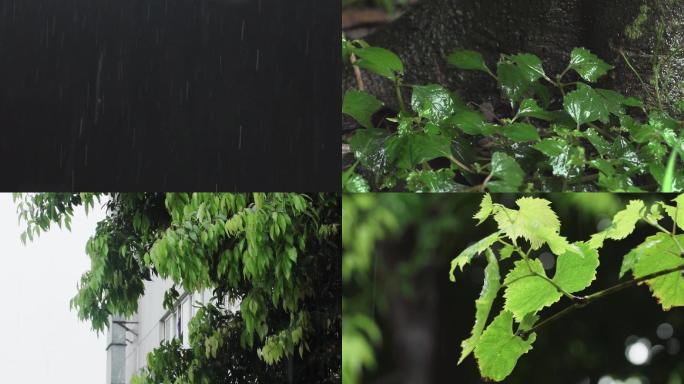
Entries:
{"x":42,"y":339}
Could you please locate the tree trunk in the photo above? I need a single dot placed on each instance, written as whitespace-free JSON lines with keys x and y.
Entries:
{"x":426,"y":34}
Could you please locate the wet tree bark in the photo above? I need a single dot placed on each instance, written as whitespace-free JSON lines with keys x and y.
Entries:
{"x":426,"y":34}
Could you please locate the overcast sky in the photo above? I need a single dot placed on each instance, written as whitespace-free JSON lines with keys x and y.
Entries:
{"x":42,"y":339}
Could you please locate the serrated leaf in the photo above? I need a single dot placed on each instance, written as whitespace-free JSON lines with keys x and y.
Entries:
{"x":361,"y":106}
{"x":355,"y":183}
{"x":534,"y":221}
{"x":429,"y":181}
{"x":663,"y":254}
{"x":468,"y":60}
{"x":473,"y":250}
{"x":485,"y":209}
{"x":585,"y":105}
{"x":468,"y":121}
{"x":530,"y":65}
{"x":513,"y":81}
{"x":588,"y":65}
{"x":623,"y":224}
{"x":576,"y":268}
{"x":520,"y":132}
{"x":368,"y":146}
{"x":507,"y":176}
{"x":432,"y":102}
{"x":412,"y":149}
{"x":380,"y":61}
{"x":530,"y":108}
{"x":499,"y":349}
{"x":483,"y":305}
{"x":526,"y":292}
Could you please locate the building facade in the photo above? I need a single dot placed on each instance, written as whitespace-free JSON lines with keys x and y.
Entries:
{"x":129,"y":340}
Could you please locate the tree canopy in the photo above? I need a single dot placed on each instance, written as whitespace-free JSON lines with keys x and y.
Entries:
{"x":274,"y":252}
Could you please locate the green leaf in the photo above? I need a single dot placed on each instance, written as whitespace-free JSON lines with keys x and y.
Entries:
{"x":633,"y":102}
{"x":623,"y":224}
{"x":483,"y":304}
{"x":361,"y":106}
{"x":432,"y":102}
{"x":473,"y":250}
{"x":380,"y":61}
{"x":499,"y":349}
{"x":506,"y":174}
{"x":530,"y":108}
{"x":470,"y":122}
{"x":662,"y":254}
{"x":409,"y":150}
{"x":368,"y":146}
{"x":526,"y":292}
{"x":468,"y":60}
{"x":485,"y":209}
{"x":534,"y":221}
{"x":669,"y":175}
{"x":355,"y":183}
{"x":585,"y":105}
{"x":551,"y":147}
{"x":588,"y":65}
{"x":440,"y":181}
{"x":530,"y":65}
{"x":601,"y":145}
{"x":513,"y":81}
{"x":576,"y":268}
{"x":520,"y":132}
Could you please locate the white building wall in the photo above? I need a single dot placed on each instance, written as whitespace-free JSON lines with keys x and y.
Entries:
{"x":146,"y":327}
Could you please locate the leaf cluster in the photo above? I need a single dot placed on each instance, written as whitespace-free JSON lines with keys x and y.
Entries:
{"x":554,"y":132}
{"x":527,"y":288}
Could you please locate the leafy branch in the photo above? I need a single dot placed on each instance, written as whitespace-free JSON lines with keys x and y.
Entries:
{"x":527,"y":289}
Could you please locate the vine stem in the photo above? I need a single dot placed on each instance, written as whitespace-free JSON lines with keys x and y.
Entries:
{"x":582,"y":301}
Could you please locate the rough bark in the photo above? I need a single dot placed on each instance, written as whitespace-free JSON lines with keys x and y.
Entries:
{"x":426,"y":34}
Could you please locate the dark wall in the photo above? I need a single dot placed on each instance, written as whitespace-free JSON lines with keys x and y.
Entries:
{"x":169,"y":94}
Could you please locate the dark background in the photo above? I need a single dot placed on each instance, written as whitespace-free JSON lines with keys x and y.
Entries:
{"x":166,"y":95}
{"x":424,"y":317}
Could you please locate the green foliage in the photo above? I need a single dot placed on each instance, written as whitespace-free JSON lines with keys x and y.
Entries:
{"x":552,"y":132}
{"x":272,"y":252}
{"x":527,"y":289}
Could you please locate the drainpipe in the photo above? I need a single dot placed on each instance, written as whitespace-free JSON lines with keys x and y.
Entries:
{"x":116,"y":352}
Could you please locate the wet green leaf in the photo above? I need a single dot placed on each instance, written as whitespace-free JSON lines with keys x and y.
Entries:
{"x":588,"y":65}
{"x":432,"y":102}
{"x":584,"y":105}
{"x":440,"y":181}
{"x":513,"y":80}
{"x":468,"y":60}
{"x":361,"y":106}
{"x":506,"y":174}
{"x":530,"y":108}
{"x":520,"y":132}
{"x":412,"y":149}
{"x":380,"y":61}
{"x":470,"y":122}
{"x":530,"y":65}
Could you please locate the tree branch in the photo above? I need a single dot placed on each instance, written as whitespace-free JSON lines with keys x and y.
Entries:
{"x":582,"y":301}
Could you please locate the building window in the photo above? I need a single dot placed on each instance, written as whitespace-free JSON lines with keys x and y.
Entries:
{"x":175,"y":323}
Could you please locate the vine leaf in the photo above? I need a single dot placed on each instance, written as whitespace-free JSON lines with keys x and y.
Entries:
{"x":661,"y":254}
{"x":432,"y":102}
{"x":623,"y":224}
{"x":506,"y":172}
{"x":576,"y":268}
{"x":380,"y":61}
{"x":483,"y":304}
{"x":499,"y":349}
{"x":468,"y":60}
{"x":535,"y":221}
{"x":521,"y":132}
{"x":676,"y":213}
{"x":588,"y":65}
{"x":530,"y":108}
{"x":485,"y":211}
{"x":585,"y":105}
{"x":530,"y":65}
{"x":528,"y":293}
{"x":416,"y":147}
{"x":440,"y":181}
{"x":467,"y":255}
{"x":361,"y":106}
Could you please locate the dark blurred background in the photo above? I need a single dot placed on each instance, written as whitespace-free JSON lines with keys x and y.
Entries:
{"x":398,"y":249}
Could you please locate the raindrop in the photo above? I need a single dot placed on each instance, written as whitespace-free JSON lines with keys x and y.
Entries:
{"x":664,"y":331}
{"x":639,"y":352}
{"x":242,"y":31}
{"x":603,"y":224}
{"x":548,"y":261}
{"x":240,"y":138}
{"x":257,"y":59}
